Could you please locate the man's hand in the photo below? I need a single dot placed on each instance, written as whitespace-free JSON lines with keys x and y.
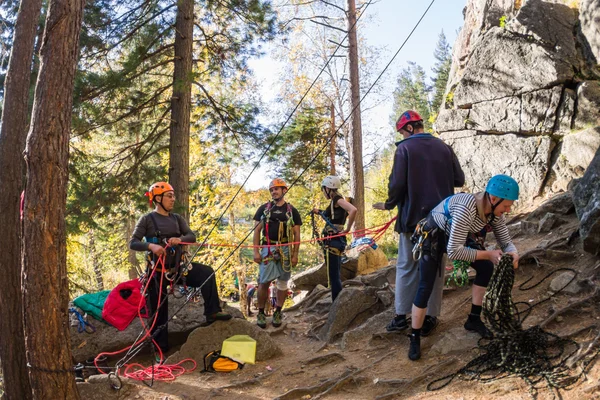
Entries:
{"x":294,"y":260}
{"x":156,"y":249}
{"x":515,"y":259}
{"x":316,"y":211}
{"x":379,"y":206}
{"x":174,"y":241}
{"x":257,"y":257}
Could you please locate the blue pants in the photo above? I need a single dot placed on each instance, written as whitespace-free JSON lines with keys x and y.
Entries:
{"x":334,"y":264}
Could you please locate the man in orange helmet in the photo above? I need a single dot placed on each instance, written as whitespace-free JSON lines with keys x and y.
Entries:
{"x":280,"y":223}
{"x":160,"y":233}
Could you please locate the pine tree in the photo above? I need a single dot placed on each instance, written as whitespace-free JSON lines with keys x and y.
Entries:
{"x":441,"y":70}
{"x":412,"y":94}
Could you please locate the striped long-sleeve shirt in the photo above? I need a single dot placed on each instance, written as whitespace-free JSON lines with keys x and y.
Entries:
{"x":462,"y":208}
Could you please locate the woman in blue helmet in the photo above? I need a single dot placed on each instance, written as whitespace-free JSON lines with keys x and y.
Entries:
{"x":451,"y":228}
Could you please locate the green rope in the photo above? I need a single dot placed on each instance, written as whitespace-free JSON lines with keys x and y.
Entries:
{"x":460,"y":273}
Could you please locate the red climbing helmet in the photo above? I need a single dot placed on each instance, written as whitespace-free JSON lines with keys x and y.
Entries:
{"x":406,"y":117}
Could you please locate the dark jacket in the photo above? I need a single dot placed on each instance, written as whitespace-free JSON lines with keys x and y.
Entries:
{"x":425,"y":172}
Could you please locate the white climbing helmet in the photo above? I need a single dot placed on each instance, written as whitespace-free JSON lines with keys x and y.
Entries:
{"x":331,"y":182}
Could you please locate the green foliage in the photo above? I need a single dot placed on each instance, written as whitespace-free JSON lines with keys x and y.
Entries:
{"x":441,"y":71}
{"x":502,"y":21}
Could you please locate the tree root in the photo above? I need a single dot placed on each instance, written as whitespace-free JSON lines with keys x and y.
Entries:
{"x":568,"y":307}
{"x":325,"y":359}
{"x":247,"y":382}
{"x":408,"y":382}
{"x":329,"y":385}
{"x":581,"y":354}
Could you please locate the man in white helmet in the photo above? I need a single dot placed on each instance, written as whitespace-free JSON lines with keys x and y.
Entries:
{"x":425,"y":172}
{"x":338,"y":214}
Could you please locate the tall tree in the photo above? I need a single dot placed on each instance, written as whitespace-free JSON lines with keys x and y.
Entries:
{"x":44,"y":252}
{"x":181,"y":101}
{"x":441,"y":72}
{"x":357,"y":179}
{"x":13,"y":131}
{"x":412,"y":93}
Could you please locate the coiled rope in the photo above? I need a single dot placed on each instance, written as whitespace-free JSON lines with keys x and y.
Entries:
{"x":534,"y":355}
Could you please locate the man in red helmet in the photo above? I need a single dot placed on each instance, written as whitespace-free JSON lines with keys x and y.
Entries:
{"x":280,"y":223}
{"x":425,"y":172}
{"x":160,"y":233}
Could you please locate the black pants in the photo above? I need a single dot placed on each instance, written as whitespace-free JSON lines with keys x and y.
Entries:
{"x":198,"y":274}
{"x":334,"y":266}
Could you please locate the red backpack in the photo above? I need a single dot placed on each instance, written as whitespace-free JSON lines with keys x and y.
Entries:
{"x":122,"y":303}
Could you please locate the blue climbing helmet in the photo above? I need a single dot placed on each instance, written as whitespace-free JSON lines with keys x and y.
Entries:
{"x":504,"y":187}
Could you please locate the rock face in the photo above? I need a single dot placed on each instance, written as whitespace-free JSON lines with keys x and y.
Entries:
{"x":586,"y":197}
{"x":523,"y":97}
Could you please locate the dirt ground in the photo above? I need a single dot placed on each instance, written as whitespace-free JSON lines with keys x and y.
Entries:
{"x":387,"y":370}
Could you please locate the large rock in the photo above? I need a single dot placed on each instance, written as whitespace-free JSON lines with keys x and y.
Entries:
{"x":108,"y":338}
{"x":586,"y":197}
{"x":502,"y":66}
{"x":561,"y":204}
{"x":589,"y":19}
{"x":457,"y":340}
{"x":539,"y":110}
{"x":588,"y":105}
{"x":204,"y":340}
{"x":451,"y":120}
{"x":502,"y":115}
{"x":355,"y":338}
{"x":482,"y":156}
{"x":349,"y":304}
{"x":574,"y":156}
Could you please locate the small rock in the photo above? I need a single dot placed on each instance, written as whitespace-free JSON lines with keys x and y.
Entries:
{"x":563,"y":279}
{"x":547,"y":222}
{"x":455,"y":341}
{"x":529,"y":227}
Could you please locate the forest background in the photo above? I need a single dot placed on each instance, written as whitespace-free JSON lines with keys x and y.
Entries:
{"x":124,"y":85}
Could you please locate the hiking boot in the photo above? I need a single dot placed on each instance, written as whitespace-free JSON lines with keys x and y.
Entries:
{"x":477,"y":325}
{"x":218,"y":316}
{"x":414,"y":349}
{"x":397,"y":324}
{"x":429,"y":325}
{"x":277,"y":316}
{"x":261,"y":320}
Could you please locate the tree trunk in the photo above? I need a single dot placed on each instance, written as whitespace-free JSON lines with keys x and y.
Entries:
{"x":44,"y":280}
{"x":357,"y":180}
{"x":13,"y":132}
{"x":134,"y":269}
{"x":95,"y":261}
{"x":332,"y":142}
{"x":179,"y":147}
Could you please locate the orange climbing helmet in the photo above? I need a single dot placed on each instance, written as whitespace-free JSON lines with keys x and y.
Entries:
{"x":406,"y":117}
{"x":277,"y":182}
{"x":158,"y":189}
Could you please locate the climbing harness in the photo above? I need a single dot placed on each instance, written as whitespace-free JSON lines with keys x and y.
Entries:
{"x":284,"y":234}
{"x":419,"y":237}
{"x":537,"y":357}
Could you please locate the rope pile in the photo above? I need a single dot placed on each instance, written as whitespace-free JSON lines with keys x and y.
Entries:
{"x":537,"y":357}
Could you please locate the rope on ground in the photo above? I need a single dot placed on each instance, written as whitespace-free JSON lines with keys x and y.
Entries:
{"x":534,"y":355}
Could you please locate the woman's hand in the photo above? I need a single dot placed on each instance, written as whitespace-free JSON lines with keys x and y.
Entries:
{"x":156,"y":249}
{"x":515,"y":257}
{"x":316,"y":211}
{"x":494,"y":256}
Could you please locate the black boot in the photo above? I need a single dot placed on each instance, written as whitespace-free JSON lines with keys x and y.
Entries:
{"x":475,"y":324}
{"x":414,"y":349}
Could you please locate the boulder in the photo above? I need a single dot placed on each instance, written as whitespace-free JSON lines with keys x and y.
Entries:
{"x":589,"y":19}
{"x":502,"y":65}
{"x":561,"y":204}
{"x":347,"y":307}
{"x":524,"y":158}
{"x":586,"y":197}
{"x":108,"y":338}
{"x":206,"y":339}
{"x":355,"y":339}
{"x":588,"y":105}
{"x":547,"y":222}
{"x":566,"y":109}
{"x":502,"y":115}
{"x":574,"y":156}
{"x":539,"y":108}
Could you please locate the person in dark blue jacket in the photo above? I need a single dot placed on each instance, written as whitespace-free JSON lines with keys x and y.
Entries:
{"x":425,"y":172}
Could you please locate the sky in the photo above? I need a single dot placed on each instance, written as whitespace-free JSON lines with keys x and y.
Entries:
{"x":386,"y":24}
